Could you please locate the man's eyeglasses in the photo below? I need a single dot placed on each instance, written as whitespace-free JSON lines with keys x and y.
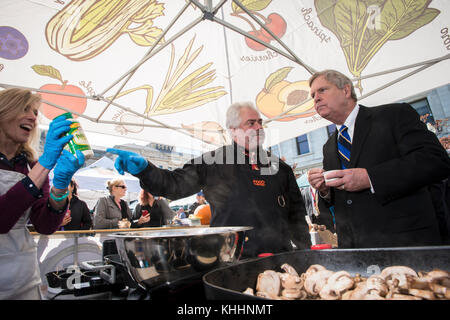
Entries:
{"x":123,"y":187}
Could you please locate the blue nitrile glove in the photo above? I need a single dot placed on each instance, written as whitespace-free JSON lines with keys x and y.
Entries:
{"x":128,"y":161}
{"x":66,"y":167}
{"x":54,"y":143}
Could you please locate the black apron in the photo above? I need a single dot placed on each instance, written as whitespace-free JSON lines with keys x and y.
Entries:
{"x":263,"y":205}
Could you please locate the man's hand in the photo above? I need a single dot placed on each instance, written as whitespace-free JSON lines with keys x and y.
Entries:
{"x":317,"y":181}
{"x":355,"y":179}
{"x":128,"y":161}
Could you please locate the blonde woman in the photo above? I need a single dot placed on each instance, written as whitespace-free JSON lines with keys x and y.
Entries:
{"x":25,"y":193}
{"x":112,"y":212}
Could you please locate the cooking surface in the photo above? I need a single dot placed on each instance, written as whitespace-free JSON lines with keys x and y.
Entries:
{"x":229,"y":282}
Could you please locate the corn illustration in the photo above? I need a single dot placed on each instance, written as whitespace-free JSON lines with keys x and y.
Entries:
{"x":85,"y":28}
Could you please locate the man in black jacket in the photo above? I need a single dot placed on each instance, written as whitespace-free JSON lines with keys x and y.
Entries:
{"x":385,"y":159}
{"x":243,"y":184}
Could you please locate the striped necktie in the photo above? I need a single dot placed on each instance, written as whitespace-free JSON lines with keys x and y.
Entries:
{"x":344,"y":147}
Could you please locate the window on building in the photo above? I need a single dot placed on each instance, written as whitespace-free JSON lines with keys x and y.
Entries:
{"x":330,"y":129}
{"x":423,"y":109}
{"x":302,"y":144}
{"x":275,"y":150}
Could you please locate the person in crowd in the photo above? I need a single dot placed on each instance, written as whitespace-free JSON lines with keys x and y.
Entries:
{"x":180,"y":214}
{"x":113,"y":212}
{"x":78,"y":216}
{"x":151,"y":211}
{"x":25,"y":193}
{"x":384,"y":158}
{"x":244,"y":185}
{"x":203,"y":212}
{"x":200,"y":197}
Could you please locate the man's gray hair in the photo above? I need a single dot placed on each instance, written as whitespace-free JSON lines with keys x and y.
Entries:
{"x":340,"y":80}
{"x":234,"y":113}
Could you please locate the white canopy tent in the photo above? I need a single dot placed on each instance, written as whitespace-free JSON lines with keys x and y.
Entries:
{"x":92,"y":181}
{"x":96,"y":175}
{"x":167,"y":71}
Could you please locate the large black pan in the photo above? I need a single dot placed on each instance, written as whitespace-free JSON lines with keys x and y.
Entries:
{"x":229,"y":282}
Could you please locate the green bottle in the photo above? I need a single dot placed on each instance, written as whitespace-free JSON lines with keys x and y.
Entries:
{"x":79,"y":140}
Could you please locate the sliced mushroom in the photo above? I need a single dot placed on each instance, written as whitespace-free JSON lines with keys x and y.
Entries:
{"x":401,"y":273}
{"x":357,"y":278}
{"x":328,"y":292}
{"x":269,"y":282}
{"x":376,"y":285}
{"x":291,"y":293}
{"x":373,"y":296}
{"x":399,"y":296}
{"x":263,"y":294}
{"x":425,"y":294}
{"x":341,"y":281}
{"x":437,"y":273}
{"x":397,"y":270}
{"x":418,"y":283}
{"x":363,"y":291}
{"x":249,"y":291}
{"x":289,"y":269}
{"x":289,"y":281}
{"x":347,"y":295}
{"x":314,"y":268}
{"x":440,"y":290}
{"x":316,"y":281}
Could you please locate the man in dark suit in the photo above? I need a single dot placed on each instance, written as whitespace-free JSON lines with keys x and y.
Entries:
{"x":385,"y":159}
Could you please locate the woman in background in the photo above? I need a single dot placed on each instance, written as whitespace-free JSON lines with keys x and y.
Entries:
{"x":25,"y":193}
{"x":78,"y":216}
{"x":151,"y":212}
{"x":112,"y":212}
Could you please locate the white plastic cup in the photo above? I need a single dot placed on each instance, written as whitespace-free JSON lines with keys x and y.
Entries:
{"x":326,"y":173}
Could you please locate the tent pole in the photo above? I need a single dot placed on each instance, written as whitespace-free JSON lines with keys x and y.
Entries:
{"x":227,"y":56}
{"x":396,"y":80}
{"x":147,"y":55}
{"x":172,"y":39}
{"x":403,"y":68}
{"x":296,"y":59}
{"x":218,"y":6}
